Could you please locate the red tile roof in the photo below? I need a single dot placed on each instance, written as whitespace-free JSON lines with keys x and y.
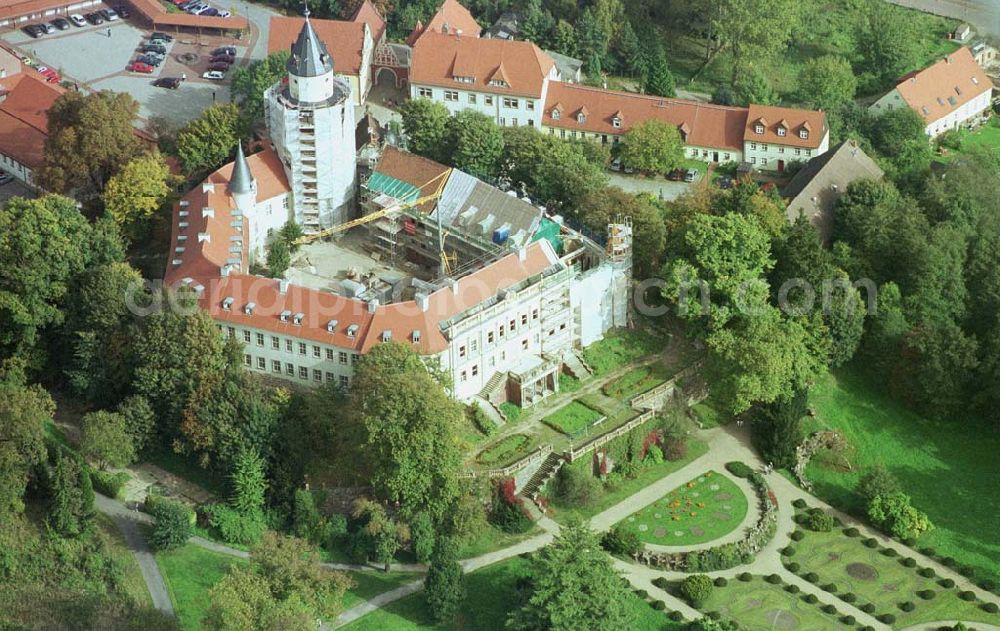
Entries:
{"x":344,"y":40}
{"x":415,"y":170}
{"x":705,"y":124}
{"x":369,"y":14}
{"x":15,"y":8}
{"x":157,"y":13}
{"x":452,"y":17}
{"x":438,"y":59}
{"x":945,"y":86}
{"x":24,"y":116}
{"x":793,"y":120}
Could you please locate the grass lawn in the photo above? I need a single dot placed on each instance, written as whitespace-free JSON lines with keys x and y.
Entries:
{"x":619,"y":348}
{"x":702,"y":510}
{"x":491,"y":538}
{"x":569,"y":384}
{"x":760,"y":606}
{"x":708,"y":415}
{"x":512,"y":411}
{"x":881,"y":580}
{"x":611,"y":496}
{"x":986,"y":137}
{"x":572,"y":419}
{"x":190,"y":572}
{"x":636,"y":381}
{"x":491,"y":596}
{"x":947,"y":467}
{"x":829,"y":29}
{"x":370,"y":584}
{"x":509,"y":449}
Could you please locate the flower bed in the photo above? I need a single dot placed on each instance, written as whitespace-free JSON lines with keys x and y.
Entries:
{"x":504,"y":451}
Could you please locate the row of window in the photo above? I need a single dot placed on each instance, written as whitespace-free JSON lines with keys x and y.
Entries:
{"x":781,"y":149}
{"x":504,"y":329}
{"x":803,"y":133}
{"x":453,"y":96}
{"x":726,"y":157}
{"x":291,"y":346}
{"x":463,"y":376}
{"x":289,"y":369}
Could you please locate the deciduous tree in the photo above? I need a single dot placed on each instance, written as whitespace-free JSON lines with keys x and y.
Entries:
{"x":71,"y":510}
{"x":425,"y":123}
{"x":248,"y":83}
{"x":23,"y":414}
{"x":754,"y":31}
{"x":607,"y":204}
{"x":444,"y":582}
{"x":137,"y":191}
{"x":827,"y":82}
{"x":652,"y":147}
{"x":886,"y":39}
{"x":106,"y":439}
{"x":207,"y":142}
{"x":474,"y":144}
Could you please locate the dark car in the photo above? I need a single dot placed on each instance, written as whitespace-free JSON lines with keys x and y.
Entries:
{"x":152,"y":60}
{"x":122,"y":10}
{"x":153,"y":48}
{"x":210,"y":12}
{"x":225,"y":59}
{"x":225,"y":50}
{"x":171,"y":83}
{"x":94,"y":18}
{"x":34,"y":31}
{"x":725,"y":182}
{"x":161,"y":37}
{"x":220,"y":66}
{"x":676,"y":175}
{"x":61,"y":23}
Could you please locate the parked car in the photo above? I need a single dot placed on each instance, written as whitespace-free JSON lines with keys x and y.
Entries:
{"x":138,"y":66}
{"x":151,"y":59}
{"x":676,"y":175}
{"x":224,"y":14}
{"x":188,"y":3}
{"x":725,"y":182}
{"x":225,"y":59}
{"x":690,"y":175}
{"x":202,"y":10}
{"x":109,"y":15}
{"x":50,"y":75}
{"x":163,"y":37}
{"x":77,"y":20}
{"x":94,"y":18}
{"x":171,"y":83}
{"x":214,"y":75}
{"x":5,"y":178}
{"x":34,"y":31}
{"x":219,"y":66}
{"x":616,"y":164}
{"x":154,"y":47}
{"x":122,"y":11}
{"x":61,"y":23}
{"x":48,"y":28}
{"x":225,"y":50}
{"x":211,"y":12}
{"x":196,"y":7}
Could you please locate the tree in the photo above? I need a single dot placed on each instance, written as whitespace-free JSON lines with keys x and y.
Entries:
{"x":425,"y":124}
{"x":886,"y":40}
{"x":171,"y":525}
{"x":696,"y":589}
{"x":293,"y":568}
{"x":43,"y":245}
{"x":278,"y":258}
{"x":898,"y":136}
{"x":140,"y":420}
{"x":827,"y":82}
{"x":607,"y":204}
{"x":659,"y":80}
{"x":242,"y":601}
{"x":207,"y":142}
{"x":249,"y":483}
{"x":573,"y":586}
{"x":877,"y":481}
{"x":443,"y":585}
{"x":776,"y":430}
{"x":386,"y":535}
{"x":137,"y":191}
{"x":91,"y":137}
{"x":248,"y":83}
{"x":410,"y":426}
{"x":564,"y":38}
{"x":554,"y":172}
{"x":23,"y":414}
{"x":939,"y":359}
{"x":652,"y":146}
{"x":70,"y":513}
{"x":752,"y":88}
{"x":105,"y":438}
{"x":754,"y":31}
{"x":894,"y":514}
{"x":474,"y":143}
{"x":422,"y":537}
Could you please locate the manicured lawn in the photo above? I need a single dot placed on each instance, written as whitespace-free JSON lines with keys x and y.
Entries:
{"x":708,"y":415}
{"x":702,"y":510}
{"x":370,"y":584}
{"x":190,"y":572}
{"x":619,"y":348}
{"x":828,"y":28}
{"x":948,"y":467}
{"x":572,"y":419}
{"x":986,"y":137}
{"x":491,"y":538}
{"x":612,"y":495}
{"x":509,"y":448}
{"x":569,"y":384}
{"x":491,"y":596}
{"x":636,"y":381}
{"x":760,"y":606}
{"x":881,"y":580}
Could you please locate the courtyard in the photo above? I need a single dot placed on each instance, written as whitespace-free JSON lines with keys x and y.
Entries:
{"x":762,"y":606}
{"x":325,"y":264}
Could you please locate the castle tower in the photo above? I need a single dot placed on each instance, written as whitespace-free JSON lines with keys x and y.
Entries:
{"x":242,"y":185}
{"x":310,"y":120}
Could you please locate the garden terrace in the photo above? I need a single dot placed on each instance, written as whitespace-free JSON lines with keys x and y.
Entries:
{"x":636,"y":381}
{"x":706,"y":508}
{"x":575,"y":419}
{"x":879,"y":579}
{"x":762,"y":606}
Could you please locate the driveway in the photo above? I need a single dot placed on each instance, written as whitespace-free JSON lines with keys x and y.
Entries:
{"x":659,"y":187}
{"x":983,"y":15}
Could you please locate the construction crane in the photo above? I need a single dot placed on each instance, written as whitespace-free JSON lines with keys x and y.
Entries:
{"x":378,"y":214}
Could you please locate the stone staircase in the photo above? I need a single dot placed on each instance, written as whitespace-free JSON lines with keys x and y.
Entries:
{"x":492,"y":411}
{"x":576,"y":366}
{"x":493,"y":386}
{"x":553,"y":462}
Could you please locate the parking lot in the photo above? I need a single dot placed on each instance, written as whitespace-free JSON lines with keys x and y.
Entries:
{"x":14,"y":188}
{"x":95,"y":57}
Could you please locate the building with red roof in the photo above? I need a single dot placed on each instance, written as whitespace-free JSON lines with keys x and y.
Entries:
{"x":25,"y":99}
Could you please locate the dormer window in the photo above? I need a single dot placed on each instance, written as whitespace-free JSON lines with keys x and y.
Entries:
{"x":462,"y":79}
{"x":415,"y":336}
{"x":499,"y":83}
{"x":352,"y":331}
{"x":975,"y":80}
{"x":803,"y":133}
{"x":297,"y":318}
{"x":758,"y":128}
{"x":616,"y":122}
{"x":386,"y":336}
{"x":556,"y":114}
{"x":331,"y":326}
{"x":227,"y":304}
{"x":285,"y":315}
{"x":581,"y":118}
{"x":781,"y":131}
{"x":248,"y":309}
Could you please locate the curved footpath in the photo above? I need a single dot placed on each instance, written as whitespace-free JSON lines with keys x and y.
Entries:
{"x":725,"y":444}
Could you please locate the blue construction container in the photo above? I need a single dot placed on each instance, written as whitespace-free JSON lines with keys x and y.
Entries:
{"x":501,"y":234}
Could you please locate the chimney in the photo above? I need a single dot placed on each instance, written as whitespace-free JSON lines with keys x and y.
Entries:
{"x":423,"y":301}
{"x":372,"y":305}
{"x":283,"y":286}
{"x":454,"y":286}
{"x":522,"y":254}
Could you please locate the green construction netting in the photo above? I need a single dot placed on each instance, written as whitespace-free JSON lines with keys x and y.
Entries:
{"x":549,"y":230}
{"x":381,"y":183}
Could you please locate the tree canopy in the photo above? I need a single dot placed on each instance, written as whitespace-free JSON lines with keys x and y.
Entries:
{"x":652,"y":147}
{"x":207,"y":142}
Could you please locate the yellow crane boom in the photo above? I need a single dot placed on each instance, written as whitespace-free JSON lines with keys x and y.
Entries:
{"x":378,"y":214}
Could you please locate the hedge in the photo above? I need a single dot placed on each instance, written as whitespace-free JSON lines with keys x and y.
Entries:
{"x":867,"y":608}
{"x":659,"y":605}
{"x":848,"y":620}
{"x":811,"y":599}
{"x":676,"y":616}
{"x":797,"y":535}
{"x":773,"y":579}
{"x":110,"y":484}
{"x":967,"y":596}
{"x":890,"y":552}
{"x":153,"y":501}
{"x":871,"y":543}
{"x":812,"y":577}
{"x":746,"y":577}
{"x":887,"y":618}
{"x":661,"y":582}
{"x":909,"y":562}
{"x":907,"y":606}
{"x":739,"y":469}
{"x":852,"y":532}
{"x":830,"y":609}
{"x":926,"y":572}
{"x":721,"y":581}
{"x":829,"y":587}
{"x":791,"y":588}
{"x":990,"y":607}
{"x":946,"y":583}
{"x":793,"y":567}
{"x":799,"y":503}
{"x":849,"y":597}
{"x":926,"y":594}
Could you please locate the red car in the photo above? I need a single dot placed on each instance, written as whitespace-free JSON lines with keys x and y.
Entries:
{"x":50,"y":75}
{"x":138,"y":66}
{"x":225,"y":59}
{"x":220,"y":66}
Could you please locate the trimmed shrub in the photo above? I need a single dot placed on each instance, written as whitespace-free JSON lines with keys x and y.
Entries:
{"x":907,"y":606}
{"x":773,"y":579}
{"x":830,"y":609}
{"x":791,"y":588}
{"x":661,"y":582}
{"x":967,"y":571}
{"x":867,"y":627}
{"x":739,"y":469}
{"x":620,"y":540}
{"x":110,"y":484}
{"x":676,"y":616}
{"x":887,"y":618}
{"x":172,"y":526}
{"x":909,"y":562}
{"x":829,"y":587}
{"x":967,"y":596}
{"x":926,"y":594}
{"x":909,"y":542}
{"x":696,"y":589}
{"x":793,"y":567}
{"x":948,"y":562}
{"x":852,"y":532}
{"x":659,"y":605}
{"x":946,"y":583}
{"x":153,"y":502}
{"x":890,"y":552}
{"x":987,"y":584}
{"x":812,"y":577}
{"x":849,"y":597}
{"x":746,"y":577}
{"x":797,"y":535}
{"x":714,"y":615}
{"x":720,"y":581}
{"x":867,"y":608}
{"x":799,"y":503}
{"x":641,"y":593}
{"x":819,"y":521}
{"x":788,"y":551}
{"x":234,"y":526}
{"x":927,"y":572}
{"x":848,"y":620}
{"x":990,"y":607}
{"x":871,"y":543}
{"x":811,"y":599}
{"x":931,"y":552}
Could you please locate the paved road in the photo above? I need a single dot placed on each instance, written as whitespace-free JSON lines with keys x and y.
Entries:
{"x":983,"y":15}
{"x":128,"y":522}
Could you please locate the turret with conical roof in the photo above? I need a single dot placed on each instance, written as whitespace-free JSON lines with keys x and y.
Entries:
{"x":310,"y":67}
{"x":242,"y":186}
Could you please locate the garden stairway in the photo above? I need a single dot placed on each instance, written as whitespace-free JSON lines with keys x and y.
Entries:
{"x":490,"y":410}
{"x":575,"y":365}
{"x":553,"y":462}
{"x":493,"y":386}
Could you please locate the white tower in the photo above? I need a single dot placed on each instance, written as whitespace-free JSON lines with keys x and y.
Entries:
{"x":311,"y":123}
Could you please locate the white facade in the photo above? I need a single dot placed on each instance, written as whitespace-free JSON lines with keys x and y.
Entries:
{"x":266,"y":218}
{"x":712,"y":154}
{"x":953,"y":120}
{"x":507,"y":110}
{"x":293,"y":358}
{"x":771,"y":156}
{"x":18,"y":170}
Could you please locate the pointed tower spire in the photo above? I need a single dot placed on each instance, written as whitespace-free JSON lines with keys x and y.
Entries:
{"x":309,"y":56}
{"x":241,"y":180}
